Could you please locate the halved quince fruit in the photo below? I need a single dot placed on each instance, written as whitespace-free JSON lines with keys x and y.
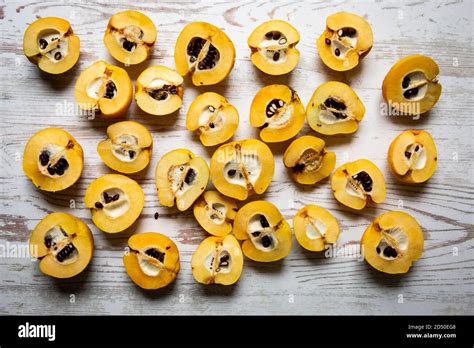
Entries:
{"x":334,"y":108}
{"x":152,"y":261}
{"x":242,"y":168}
{"x":218,"y":260}
{"x":411,"y":86}
{"x":215,"y":213}
{"x":205,"y":52}
{"x":308,"y":160}
{"x":53,"y":159}
{"x":315,"y":228}
{"x":413,"y":156}
{"x":130,"y":36}
{"x":63,"y":244}
{"x":181,"y":178}
{"x":51,"y":44}
{"x":347,"y":39}
{"x":104,"y":88}
{"x":392,"y":242}
{"x":273,"y":47}
{"x":115,"y":201}
{"x":355,"y":182}
{"x":278,"y":112}
{"x":128,"y":147}
{"x":213,"y":118}
{"x":159,"y":90}
{"x":266,"y":234}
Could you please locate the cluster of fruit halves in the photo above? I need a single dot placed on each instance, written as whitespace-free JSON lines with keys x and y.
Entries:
{"x":53,"y":159}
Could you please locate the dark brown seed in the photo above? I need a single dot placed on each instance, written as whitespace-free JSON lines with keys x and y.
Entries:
{"x":47,"y":241}
{"x":255,"y":234}
{"x":337,"y":52}
{"x":131,"y":154}
{"x":156,"y":254}
{"x":98,"y":205}
{"x":327,"y":41}
{"x":299,"y":167}
{"x":406,"y":82}
{"x":276,"y":35}
{"x":417,"y":148}
{"x":378,"y":250}
{"x":407,"y":154}
{"x":332,"y":103}
{"x":211,"y":125}
{"x":264,"y":221}
{"x":269,"y":35}
{"x":276,"y":56}
{"x":128,"y":45}
{"x":231,"y":172}
{"x":157,"y":215}
{"x":58,"y":55}
{"x":43,"y":43}
{"x":115,"y":197}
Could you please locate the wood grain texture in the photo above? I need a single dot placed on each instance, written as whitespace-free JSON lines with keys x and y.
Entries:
{"x":441,"y":282}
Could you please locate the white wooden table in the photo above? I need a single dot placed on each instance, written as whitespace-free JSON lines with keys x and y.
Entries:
{"x":441,"y":282}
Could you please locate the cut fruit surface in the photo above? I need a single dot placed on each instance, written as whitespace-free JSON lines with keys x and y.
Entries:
{"x":51,"y":44}
{"x":355,"y":182}
{"x":308,"y":160}
{"x":392,"y":242}
{"x":128,"y":147}
{"x":63,"y":244}
{"x":334,"y":108}
{"x":242,"y":168}
{"x":205,"y":52}
{"x":152,"y":260}
{"x":115,"y":201}
{"x":159,"y":90}
{"x":130,"y":36}
{"x":53,"y":159}
{"x":266,"y":234}
{"x":213,"y":118}
{"x":215,"y":213}
{"x":218,"y":260}
{"x":181,"y":178}
{"x":411,"y":86}
{"x":412,"y":156}
{"x":105,"y":89}
{"x":315,"y":228}
{"x":347,"y":39}
{"x":278,"y":112}
{"x":273,"y":47}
